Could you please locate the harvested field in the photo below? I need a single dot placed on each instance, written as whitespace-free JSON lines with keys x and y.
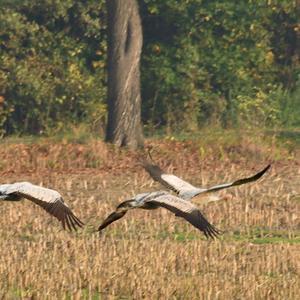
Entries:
{"x":151,"y":254}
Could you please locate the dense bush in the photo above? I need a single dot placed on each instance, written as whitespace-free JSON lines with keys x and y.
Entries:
{"x":219,"y":61}
{"x":230,"y":63}
{"x":51,"y":65}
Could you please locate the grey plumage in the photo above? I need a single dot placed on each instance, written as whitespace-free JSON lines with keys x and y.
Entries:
{"x":187,"y":191}
{"x":48,"y":199}
{"x":178,"y":206}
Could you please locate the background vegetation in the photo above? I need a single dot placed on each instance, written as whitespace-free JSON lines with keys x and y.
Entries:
{"x":227,"y":63}
{"x":205,"y":63}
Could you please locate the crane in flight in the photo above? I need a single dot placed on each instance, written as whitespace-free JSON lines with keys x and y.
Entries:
{"x":187,"y":191}
{"x":176,"y":204}
{"x":48,"y":199}
{"x":153,"y":200}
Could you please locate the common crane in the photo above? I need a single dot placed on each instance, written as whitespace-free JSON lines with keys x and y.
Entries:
{"x":178,"y":206}
{"x":187,"y":191}
{"x":48,"y":199}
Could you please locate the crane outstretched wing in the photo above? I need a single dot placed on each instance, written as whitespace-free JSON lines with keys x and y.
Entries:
{"x":238,"y":182}
{"x":48,"y":199}
{"x":120,"y":211}
{"x":188,"y":211}
{"x":111,"y":218}
{"x":188,"y":191}
{"x":170,"y":181}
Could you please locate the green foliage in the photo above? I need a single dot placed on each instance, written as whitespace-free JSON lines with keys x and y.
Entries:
{"x":205,"y":62}
{"x":260,"y":109}
{"x":51,"y":65}
{"x":290,"y":106}
{"x":215,"y":61}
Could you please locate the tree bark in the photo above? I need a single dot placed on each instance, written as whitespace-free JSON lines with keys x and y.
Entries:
{"x":125,"y":40}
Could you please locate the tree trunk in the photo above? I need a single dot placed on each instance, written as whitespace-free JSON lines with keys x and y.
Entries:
{"x":125,"y":39}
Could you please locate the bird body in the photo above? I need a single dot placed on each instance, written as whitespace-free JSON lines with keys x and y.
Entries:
{"x":176,"y":204}
{"x":142,"y":200}
{"x":153,"y":200}
{"x":48,"y":199}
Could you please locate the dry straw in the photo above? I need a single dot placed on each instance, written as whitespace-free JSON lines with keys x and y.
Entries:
{"x":148,"y":255}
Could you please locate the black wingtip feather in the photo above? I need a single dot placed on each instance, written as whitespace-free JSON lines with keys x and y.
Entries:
{"x":73,"y":224}
{"x":252,"y":178}
{"x":77,"y":221}
{"x":63,"y":222}
{"x":211,"y":232}
{"x":68,"y":223}
{"x":262,"y":172}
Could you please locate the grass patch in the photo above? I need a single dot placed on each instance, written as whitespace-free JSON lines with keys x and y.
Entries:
{"x":274,"y":240}
{"x":264,"y":236}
